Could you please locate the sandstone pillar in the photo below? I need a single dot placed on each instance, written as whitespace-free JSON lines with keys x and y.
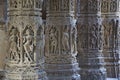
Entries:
{"x":26,"y":40}
{"x":110,"y":16}
{"x":90,"y":40}
{"x":3,"y":38}
{"x":60,"y":48}
{"x":3,"y":48}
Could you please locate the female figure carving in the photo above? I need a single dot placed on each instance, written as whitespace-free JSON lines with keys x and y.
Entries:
{"x":13,"y":45}
{"x":28,"y":47}
{"x":65,"y":38}
{"x":53,"y":40}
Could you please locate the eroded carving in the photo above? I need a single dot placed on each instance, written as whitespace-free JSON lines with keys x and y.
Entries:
{"x":27,"y":3}
{"x":29,"y":45}
{"x":104,"y":6}
{"x":65,"y":39}
{"x":53,"y":39}
{"x":82,"y":37}
{"x":14,"y":44}
{"x":113,"y":5}
{"x":93,"y":37}
{"x":74,"y":37}
{"x":93,"y":6}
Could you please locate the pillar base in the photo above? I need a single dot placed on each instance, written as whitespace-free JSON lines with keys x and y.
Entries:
{"x":62,"y":71}
{"x":25,"y":74}
{"x":93,"y":74}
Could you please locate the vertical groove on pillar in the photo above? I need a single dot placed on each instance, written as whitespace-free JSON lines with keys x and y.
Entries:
{"x":90,"y":40}
{"x":60,"y":49}
{"x":26,"y":40}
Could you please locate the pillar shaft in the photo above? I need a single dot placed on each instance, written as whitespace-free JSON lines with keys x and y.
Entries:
{"x":90,"y":40}
{"x":26,"y":40}
{"x":60,"y":49}
{"x":110,"y":16}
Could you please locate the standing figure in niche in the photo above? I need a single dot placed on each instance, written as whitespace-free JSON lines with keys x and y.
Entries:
{"x":65,"y":38}
{"x":107,"y":34}
{"x":74,"y":37}
{"x":53,"y":40}
{"x":94,"y":37}
{"x":13,"y":45}
{"x":29,"y":47}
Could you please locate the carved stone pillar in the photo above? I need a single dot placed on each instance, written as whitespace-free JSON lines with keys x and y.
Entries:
{"x":90,"y":40}
{"x":26,"y":40}
{"x":110,"y":15}
{"x":3,"y":38}
{"x":3,"y":48}
{"x":60,"y":48}
{"x":3,"y":7}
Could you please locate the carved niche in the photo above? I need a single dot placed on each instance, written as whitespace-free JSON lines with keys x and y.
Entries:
{"x":104,"y":6}
{"x":28,"y":45}
{"x":82,"y":5}
{"x":93,"y":6}
{"x":109,"y":28}
{"x":61,"y":5}
{"x":109,"y":6}
{"x":66,"y":39}
{"x":113,"y":5}
{"x":93,"y":37}
{"x":74,"y":39}
{"x":27,"y":3}
{"x":53,"y":40}
{"x":14,"y":41}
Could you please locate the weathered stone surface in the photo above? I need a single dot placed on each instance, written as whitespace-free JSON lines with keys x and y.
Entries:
{"x":110,"y":16}
{"x":90,"y":40}
{"x":3,"y":49}
{"x":61,"y":48}
{"x":26,"y":41}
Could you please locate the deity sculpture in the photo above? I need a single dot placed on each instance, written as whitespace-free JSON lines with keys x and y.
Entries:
{"x":28,"y":47}
{"x":74,"y":37}
{"x":65,"y":39}
{"x":14,"y":45}
{"x":93,"y":37}
{"x":53,"y":40}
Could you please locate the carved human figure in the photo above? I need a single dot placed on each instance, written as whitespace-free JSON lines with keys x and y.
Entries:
{"x":28,"y":47}
{"x":107,"y":34}
{"x":53,"y":40}
{"x":94,"y":37}
{"x":65,"y":38}
{"x":14,"y":45}
{"x":82,"y":34}
{"x":74,"y":37}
